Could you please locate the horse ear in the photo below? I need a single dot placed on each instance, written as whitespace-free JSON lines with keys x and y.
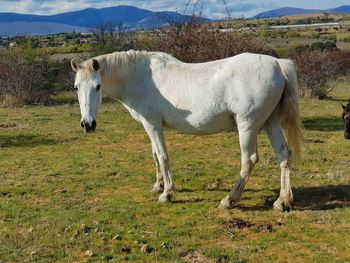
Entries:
{"x":75,"y":65}
{"x":95,"y":65}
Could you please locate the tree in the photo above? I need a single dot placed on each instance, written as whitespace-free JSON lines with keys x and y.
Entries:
{"x":112,"y":36}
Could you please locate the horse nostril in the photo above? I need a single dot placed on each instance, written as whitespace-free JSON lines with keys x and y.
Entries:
{"x":93,"y":125}
{"x":82,"y":124}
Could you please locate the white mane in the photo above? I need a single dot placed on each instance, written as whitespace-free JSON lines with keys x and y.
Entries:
{"x":127,"y":60}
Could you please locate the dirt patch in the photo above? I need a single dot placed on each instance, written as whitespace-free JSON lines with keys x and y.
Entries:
{"x":118,"y":175}
{"x":196,"y":257}
{"x":314,"y":141}
{"x":268,"y":228}
{"x":239,"y":224}
{"x":8,"y":126}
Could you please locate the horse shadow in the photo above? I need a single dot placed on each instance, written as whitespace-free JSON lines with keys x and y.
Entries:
{"x":327,"y":197}
{"x":323,"y":124}
{"x":25,"y":140}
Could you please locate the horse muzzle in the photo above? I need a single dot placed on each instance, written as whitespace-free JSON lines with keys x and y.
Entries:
{"x":347,"y":135}
{"x":88,"y":127}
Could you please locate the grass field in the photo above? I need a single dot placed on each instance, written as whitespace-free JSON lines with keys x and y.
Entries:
{"x":66,"y":196}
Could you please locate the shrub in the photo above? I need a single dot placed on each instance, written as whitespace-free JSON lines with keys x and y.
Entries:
{"x":316,"y":46}
{"x":316,"y":70}
{"x":292,"y":34}
{"x":332,"y":37}
{"x":26,"y":76}
{"x":324,"y":46}
{"x":193,"y":43}
{"x":344,"y":38}
{"x":112,"y":36}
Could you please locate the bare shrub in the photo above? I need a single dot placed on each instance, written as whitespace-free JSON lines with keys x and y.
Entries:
{"x":63,"y":76}
{"x":316,"y":70}
{"x":112,"y":36}
{"x":22,"y":80}
{"x":195,"y":42}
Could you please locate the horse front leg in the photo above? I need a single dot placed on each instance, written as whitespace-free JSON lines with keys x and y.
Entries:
{"x":158,"y":187}
{"x":155,"y":132}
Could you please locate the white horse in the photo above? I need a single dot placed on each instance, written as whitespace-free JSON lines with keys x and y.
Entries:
{"x":255,"y":91}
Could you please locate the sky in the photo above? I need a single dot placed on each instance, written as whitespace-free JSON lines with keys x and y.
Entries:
{"x":210,"y":8}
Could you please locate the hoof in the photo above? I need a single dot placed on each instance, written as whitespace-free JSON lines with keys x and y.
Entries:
{"x":157,"y":188}
{"x":165,"y":198}
{"x":226,"y":203}
{"x":281,"y":206}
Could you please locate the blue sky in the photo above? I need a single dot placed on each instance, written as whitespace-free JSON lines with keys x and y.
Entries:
{"x":210,"y":8}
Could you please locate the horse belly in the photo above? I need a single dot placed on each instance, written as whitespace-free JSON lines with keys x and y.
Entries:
{"x":195,"y":124}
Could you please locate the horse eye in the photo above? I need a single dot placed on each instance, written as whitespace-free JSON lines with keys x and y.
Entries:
{"x":98,"y":87}
{"x":75,"y":87}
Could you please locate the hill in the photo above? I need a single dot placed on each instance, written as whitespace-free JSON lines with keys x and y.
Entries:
{"x":131,"y":17}
{"x":287,"y":11}
{"x":36,"y":28}
{"x":340,"y":9}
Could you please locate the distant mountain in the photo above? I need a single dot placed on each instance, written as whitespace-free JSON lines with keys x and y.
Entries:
{"x":287,"y":11}
{"x":340,"y":9}
{"x":131,"y":17}
{"x":36,"y":28}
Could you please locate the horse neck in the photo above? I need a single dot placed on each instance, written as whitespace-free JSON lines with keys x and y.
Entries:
{"x":117,"y":71}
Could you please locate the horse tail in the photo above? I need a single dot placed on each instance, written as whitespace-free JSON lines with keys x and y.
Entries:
{"x":291,"y":120}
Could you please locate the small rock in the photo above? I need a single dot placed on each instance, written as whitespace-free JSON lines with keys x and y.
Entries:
{"x":144,"y":248}
{"x":164,"y":245}
{"x":33,"y":253}
{"x":212,"y":186}
{"x":30,"y":230}
{"x":89,"y":253}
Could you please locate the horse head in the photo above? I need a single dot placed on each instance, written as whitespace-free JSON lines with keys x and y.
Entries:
{"x":87,"y":84}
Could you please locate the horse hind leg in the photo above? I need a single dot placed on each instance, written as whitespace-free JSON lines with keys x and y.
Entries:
{"x":278,"y":142}
{"x":249,"y":157}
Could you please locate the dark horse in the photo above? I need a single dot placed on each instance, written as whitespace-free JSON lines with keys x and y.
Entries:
{"x":346,"y":118}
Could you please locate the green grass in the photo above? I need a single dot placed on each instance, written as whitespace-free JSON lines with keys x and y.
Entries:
{"x":63,"y":192}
